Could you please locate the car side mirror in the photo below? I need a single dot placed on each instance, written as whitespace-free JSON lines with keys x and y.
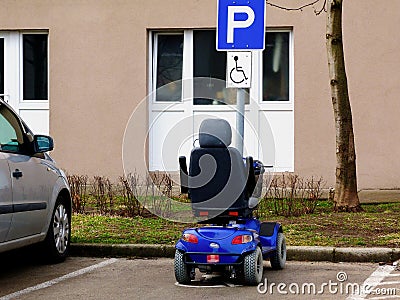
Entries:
{"x":43,"y":143}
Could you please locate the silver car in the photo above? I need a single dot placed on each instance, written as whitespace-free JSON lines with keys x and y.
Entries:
{"x":35,"y":202}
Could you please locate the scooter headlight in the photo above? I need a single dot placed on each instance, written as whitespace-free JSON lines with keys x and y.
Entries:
{"x":190,"y":238}
{"x":242,"y":239}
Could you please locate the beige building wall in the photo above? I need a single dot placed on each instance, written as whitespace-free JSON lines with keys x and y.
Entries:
{"x":98,"y":60}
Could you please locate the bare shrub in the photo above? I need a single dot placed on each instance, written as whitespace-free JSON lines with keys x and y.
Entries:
{"x":163,"y":182}
{"x":130,"y":191}
{"x":291,"y":195}
{"x":130,"y":196}
{"x":104,"y":195}
{"x":78,"y":185}
{"x":160,"y":191}
{"x":313,"y":194}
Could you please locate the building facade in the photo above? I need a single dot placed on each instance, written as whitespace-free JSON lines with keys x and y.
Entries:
{"x":89,"y":72}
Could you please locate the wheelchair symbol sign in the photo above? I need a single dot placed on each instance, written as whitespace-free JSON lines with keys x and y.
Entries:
{"x":238,"y":69}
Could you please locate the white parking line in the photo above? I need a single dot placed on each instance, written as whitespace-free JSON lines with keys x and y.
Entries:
{"x":389,"y":282}
{"x":374,"y":280}
{"x":59,"y":279}
{"x":384,"y":298}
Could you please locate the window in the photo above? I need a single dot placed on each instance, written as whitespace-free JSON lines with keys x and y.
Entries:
{"x":169,"y":67}
{"x":276,"y":67}
{"x":210,"y":63}
{"x":34,"y":61}
{"x":11,"y":136}
{"x":206,"y":62}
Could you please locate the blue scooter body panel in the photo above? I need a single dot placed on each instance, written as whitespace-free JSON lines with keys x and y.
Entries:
{"x":217,"y":240}
{"x":269,"y":242}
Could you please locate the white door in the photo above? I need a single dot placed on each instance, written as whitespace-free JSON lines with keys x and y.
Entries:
{"x":187,"y":81}
{"x":24,"y":76}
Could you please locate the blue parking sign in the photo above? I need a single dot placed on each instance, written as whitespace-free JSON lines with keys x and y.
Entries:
{"x":241,"y":25}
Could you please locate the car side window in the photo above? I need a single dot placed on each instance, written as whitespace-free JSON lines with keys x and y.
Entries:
{"x":11,"y":134}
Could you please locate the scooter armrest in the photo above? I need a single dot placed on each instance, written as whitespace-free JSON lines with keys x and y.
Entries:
{"x":251,"y":178}
{"x":183,"y":174}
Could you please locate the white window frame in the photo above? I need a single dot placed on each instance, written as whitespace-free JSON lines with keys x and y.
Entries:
{"x":277,"y":105}
{"x":32,"y":104}
{"x":34,"y":112}
{"x":153,"y":74}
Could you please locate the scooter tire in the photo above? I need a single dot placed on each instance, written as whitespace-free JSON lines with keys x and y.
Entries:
{"x":278,"y":258}
{"x":253,"y":267}
{"x":182,"y":272}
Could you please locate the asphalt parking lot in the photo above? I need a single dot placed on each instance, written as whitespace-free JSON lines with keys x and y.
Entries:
{"x":22,"y":276}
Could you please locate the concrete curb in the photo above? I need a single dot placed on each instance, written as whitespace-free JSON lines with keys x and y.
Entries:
{"x":298,"y":253}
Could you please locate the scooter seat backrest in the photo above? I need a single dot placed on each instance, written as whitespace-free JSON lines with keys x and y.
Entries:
{"x":217,"y":174}
{"x":215,"y":133}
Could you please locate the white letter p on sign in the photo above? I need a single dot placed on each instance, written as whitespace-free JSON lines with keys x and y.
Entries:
{"x":232,"y":24}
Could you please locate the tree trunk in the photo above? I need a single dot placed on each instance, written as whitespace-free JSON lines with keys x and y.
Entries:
{"x":346,"y":197}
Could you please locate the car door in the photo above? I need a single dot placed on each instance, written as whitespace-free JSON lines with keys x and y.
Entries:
{"x":32,"y":179}
{"x":5,"y":197}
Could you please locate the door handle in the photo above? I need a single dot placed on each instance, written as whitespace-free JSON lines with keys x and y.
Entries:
{"x":17,"y":173}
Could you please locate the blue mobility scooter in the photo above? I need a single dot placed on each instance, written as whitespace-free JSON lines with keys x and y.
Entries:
{"x":224,"y":189}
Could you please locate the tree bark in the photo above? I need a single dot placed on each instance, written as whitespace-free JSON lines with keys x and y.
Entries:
{"x":346,"y":197}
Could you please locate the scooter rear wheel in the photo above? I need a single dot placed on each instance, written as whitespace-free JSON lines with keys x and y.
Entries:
{"x":253,"y":267}
{"x":182,"y":271}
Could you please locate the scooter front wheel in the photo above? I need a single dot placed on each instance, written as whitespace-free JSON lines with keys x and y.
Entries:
{"x":278,"y":258}
{"x":182,"y":271}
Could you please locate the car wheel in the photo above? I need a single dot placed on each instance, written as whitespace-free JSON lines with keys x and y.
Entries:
{"x":253,"y":267}
{"x":182,"y":272}
{"x":278,"y":258}
{"x":58,"y":236}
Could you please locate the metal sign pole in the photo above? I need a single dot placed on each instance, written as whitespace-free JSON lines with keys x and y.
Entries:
{"x":244,"y":34}
{"x":240,"y":99}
